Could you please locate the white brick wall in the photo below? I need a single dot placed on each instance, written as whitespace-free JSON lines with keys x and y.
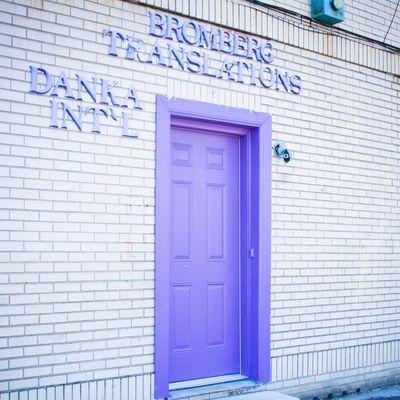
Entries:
{"x":77,"y":209}
{"x":245,"y":16}
{"x":367,"y":18}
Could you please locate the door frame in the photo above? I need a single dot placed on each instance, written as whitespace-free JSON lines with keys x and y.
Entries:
{"x":254,"y":132}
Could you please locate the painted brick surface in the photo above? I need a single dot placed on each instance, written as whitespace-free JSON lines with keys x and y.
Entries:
{"x":368,"y":18}
{"x":77,"y":209}
{"x":290,"y":29}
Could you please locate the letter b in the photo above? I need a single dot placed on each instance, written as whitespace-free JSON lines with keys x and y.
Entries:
{"x":157,"y":23}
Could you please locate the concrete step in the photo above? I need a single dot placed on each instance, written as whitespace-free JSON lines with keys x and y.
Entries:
{"x":238,"y":389}
{"x":264,"y":395}
{"x":215,"y":390}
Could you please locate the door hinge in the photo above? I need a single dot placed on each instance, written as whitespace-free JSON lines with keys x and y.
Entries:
{"x":252,"y":253}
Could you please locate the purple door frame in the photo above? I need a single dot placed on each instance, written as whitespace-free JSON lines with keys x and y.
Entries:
{"x":254,"y":131}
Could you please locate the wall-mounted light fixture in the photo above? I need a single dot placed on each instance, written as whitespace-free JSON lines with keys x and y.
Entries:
{"x":282,"y":151}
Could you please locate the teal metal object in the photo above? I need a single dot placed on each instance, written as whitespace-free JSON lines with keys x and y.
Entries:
{"x":330,"y":12}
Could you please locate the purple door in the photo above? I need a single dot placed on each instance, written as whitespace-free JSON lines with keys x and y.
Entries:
{"x":204,"y":276}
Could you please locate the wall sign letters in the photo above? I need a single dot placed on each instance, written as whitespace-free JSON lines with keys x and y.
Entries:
{"x":104,"y":105}
{"x":254,"y":54}
{"x":246,"y":60}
